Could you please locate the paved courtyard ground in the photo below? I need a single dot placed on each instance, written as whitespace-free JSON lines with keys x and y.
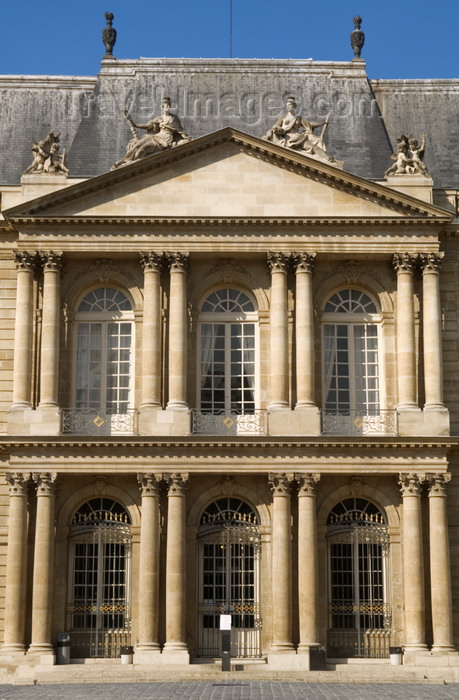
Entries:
{"x":245,"y":690}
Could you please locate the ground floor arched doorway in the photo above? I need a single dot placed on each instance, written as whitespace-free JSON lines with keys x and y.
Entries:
{"x":359,"y":613}
{"x":229,"y":558}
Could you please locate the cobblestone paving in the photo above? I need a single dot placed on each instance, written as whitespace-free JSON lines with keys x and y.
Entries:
{"x":248,"y":690}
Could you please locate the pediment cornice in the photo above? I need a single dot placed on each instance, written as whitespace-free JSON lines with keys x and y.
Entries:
{"x":44,"y":209}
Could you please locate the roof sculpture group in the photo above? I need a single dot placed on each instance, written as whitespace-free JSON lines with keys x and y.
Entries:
{"x":291,"y":131}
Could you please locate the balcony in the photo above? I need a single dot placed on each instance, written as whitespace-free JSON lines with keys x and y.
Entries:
{"x":98,"y":421}
{"x":228,"y":423}
{"x":360,"y":423}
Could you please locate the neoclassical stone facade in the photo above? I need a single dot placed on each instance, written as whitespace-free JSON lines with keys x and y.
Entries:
{"x":229,"y":374}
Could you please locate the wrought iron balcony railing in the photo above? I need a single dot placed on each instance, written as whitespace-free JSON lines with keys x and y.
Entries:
{"x":228,"y":423}
{"x":98,"y":421}
{"x":359,"y":423}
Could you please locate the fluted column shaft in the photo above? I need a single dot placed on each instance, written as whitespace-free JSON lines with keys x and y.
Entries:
{"x":278,"y":263}
{"x":304,"y":330}
{"x":413,"y":564}
{"x":16,"y":573}
{"x":281,"y":563}
{"x":176,"y":563}
{"x":151,"y":337}
{"x":43,"y":569}
{"x":178,"y":332}
{"x":406,"y":347}
{"x":149,"y":562}
{"x":49,"y":358}
{"x":23,"y":330}
{"x":440,"y":572}
{"x":308,"y":564}
{"x":433,"y":363}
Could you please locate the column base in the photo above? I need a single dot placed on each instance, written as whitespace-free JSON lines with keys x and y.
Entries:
{"x":154,"y":421}
{"x":427,"y":423}
{"x":304,"y":420}
{"x":288,"y":661}
{"x":42,"y":654}
{"x":444,"y":649}
{"x":175,"y":654}
{"x":12,"y":650}
{"x":147,"y":655}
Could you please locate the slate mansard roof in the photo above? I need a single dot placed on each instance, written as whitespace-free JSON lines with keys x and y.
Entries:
{"x":366,"y":117}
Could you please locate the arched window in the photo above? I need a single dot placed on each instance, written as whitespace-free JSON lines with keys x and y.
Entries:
{"x":99,"y":609}
{"x":104,"y":348}
{"x":228,"y":577}
{"x":359,"y":619}
{"x":350,"y":347}
{"x":227,"y":353}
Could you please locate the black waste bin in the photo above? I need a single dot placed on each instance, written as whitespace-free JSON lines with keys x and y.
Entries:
{"x":127,"y":654}
{"x":63,"y":649}
{"x":396,"y":655}
{"x":317,"y":660}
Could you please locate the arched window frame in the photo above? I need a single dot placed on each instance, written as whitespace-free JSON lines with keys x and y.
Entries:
{"x":117,"y":317}
{"x":372,"y":320}
{"x":228,"y":318}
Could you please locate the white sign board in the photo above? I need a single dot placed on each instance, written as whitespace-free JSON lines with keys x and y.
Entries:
{"x":225,"y":622}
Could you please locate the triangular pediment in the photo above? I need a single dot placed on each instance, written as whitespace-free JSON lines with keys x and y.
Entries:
{"x":225,"y":175}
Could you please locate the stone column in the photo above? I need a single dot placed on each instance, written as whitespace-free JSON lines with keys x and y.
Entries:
{"x":23,"y":330}
{"x":281,"y":564}
{"x":16,"y":565}
{"x":151,"y":336}
{"x":304,"y":330}
{"x":433,"y":365}
{"x":308,"y":565}
{"x":149,"y":563}
{"x":43,"y":568}
{"x":176,"y":565}
{"x":178,"y":332}
{"x":404,"y":264}
{"x":49,"y":358}
{"x":278,"y":263}
{"x":440,"y":572}
{"x":413,"y":564}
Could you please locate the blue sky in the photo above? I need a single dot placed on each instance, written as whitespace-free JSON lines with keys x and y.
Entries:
{"x":404,"y":38}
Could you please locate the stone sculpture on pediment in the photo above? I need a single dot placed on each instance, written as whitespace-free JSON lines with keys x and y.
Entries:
{"x":163,"y":132}
{"x":409,"y":157}
{"x":291,"y":130}
{"x":46,"y":156}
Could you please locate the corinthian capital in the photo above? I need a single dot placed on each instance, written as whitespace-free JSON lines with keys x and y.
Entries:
{"x":278,"y":262}
{"x":46,"y":483}
{"x":177,"y":483}
{"x":404,"y":262}
{"x":280,"y":484}
{"x":437,"y":484}
{"x":17,"y":482}
{"x":151,"y":262}
{"x":25,"y":262}
{"x":431,"y":262}
{"x":411,"y":484}
{"x":149,"y":484}
{"x":52,"y":262}
{"x":178,"y":262}
{"x":307,"y":484}
{"x":304,"y":262}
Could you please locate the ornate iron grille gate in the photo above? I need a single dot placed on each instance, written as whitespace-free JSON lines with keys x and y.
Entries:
{"x":99,"y":615}
{"x":229,"y":553}
{"x":360,"y":623}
